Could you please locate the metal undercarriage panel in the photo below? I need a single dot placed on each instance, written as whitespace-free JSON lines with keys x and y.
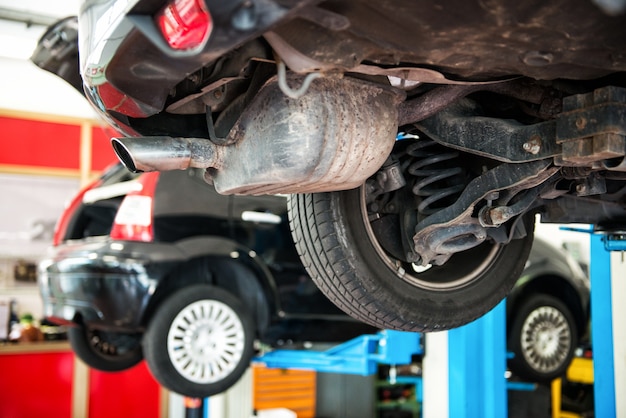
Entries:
{"x":477,"y":39}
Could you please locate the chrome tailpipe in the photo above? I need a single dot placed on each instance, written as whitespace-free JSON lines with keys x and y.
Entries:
{"x":164,"y":153}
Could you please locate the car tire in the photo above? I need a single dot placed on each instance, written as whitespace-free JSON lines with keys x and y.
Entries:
{"x":200,"y":341}
{"x":543,"y":338}
{"x":105,"y":351}
{"x":342,"y":255}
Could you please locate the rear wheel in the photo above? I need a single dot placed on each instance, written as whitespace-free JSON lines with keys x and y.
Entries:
{"x":337,"y":243}
{"x":543,"y":338}
{"x":200,"y":341}
{"x":106,"y":351}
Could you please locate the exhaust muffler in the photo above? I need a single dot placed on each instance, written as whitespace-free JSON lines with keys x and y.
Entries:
{"x":333,"y":138}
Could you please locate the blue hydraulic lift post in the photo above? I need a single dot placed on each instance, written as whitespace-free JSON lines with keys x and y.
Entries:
{"x":602,"y":326}
{"x":477,"y":366}
{"x":602,"y":318}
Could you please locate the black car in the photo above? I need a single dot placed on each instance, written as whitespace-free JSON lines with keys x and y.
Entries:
{"x":504,"y":109}
{"x":547,"y":314}
{"x":162,"y":266}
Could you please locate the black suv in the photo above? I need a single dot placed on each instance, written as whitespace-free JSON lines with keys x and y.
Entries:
{"x":160,"y":265}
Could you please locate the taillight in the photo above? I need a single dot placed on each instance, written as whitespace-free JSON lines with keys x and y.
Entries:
{"x":133,"y":221}
{"x":185,"y":24}
{"x":60,"y":229}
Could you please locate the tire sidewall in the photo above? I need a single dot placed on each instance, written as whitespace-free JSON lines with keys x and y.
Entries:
{"x":155,"y":341}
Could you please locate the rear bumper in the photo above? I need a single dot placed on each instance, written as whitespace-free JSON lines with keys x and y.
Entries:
{"x":128,"y":67}
{"x":104,"y":283}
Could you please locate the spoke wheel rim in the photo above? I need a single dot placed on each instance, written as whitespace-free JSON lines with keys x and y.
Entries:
{"x":479,"y":259}
{"x":206,"y":341}
{"x":546,"y":339}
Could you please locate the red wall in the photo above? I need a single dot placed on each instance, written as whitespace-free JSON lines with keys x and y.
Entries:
{"x":39,"y":384}
{"x":41,"y":144}
{"x":132,"y":393}
{"x":53,"y":145}
{"x":36,"y":385}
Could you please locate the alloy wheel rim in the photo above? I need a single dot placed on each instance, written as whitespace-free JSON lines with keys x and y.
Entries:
{"x":546,"y":339}
{"x":206,"y":341}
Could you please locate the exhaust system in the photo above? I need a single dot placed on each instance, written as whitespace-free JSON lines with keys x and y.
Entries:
{"x":333,"y":138}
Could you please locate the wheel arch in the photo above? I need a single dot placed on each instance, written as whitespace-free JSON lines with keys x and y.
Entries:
{"x":225,"y":264}
{"x":555,"y":286}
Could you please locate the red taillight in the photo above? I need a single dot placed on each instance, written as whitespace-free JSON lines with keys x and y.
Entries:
{"x":185,"y":24}
{"x":133,"y":221}
{"x":60,"y":229}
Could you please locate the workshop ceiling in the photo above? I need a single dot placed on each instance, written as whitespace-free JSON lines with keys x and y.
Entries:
{"x":23,"y":22}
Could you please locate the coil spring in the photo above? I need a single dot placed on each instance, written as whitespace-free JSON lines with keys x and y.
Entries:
{"x":439,"y":181}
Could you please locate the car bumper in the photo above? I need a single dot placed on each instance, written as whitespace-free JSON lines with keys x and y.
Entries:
{"x":122,"y":52}
{"x":103,"y":283}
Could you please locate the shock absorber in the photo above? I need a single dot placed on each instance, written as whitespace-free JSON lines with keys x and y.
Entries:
{"x":439,"y":177}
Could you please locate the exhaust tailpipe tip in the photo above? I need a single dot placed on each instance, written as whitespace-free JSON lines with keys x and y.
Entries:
{"x":124,"y":155}
{"x":164,"y":153}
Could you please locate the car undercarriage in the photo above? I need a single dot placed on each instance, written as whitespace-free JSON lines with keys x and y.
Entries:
{"x":417,"y":140}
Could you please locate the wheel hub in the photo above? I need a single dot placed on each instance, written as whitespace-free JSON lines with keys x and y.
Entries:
{"x":475,"y":261}
{"x":547,"y":340}
{"x":201,"y":340}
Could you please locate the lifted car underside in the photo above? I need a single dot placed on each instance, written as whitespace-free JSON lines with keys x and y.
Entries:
{"x":450,"y":124}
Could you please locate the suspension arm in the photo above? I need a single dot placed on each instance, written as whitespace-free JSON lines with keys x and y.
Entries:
{"x":453,"y":228}
{"x":461,"y":128}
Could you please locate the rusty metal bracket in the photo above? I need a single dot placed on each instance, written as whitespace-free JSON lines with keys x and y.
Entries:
{"x":509,"y":141}
{"x":592,"y":127}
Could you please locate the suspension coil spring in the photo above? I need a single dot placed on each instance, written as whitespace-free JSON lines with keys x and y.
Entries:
{"x":439,"y":181}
